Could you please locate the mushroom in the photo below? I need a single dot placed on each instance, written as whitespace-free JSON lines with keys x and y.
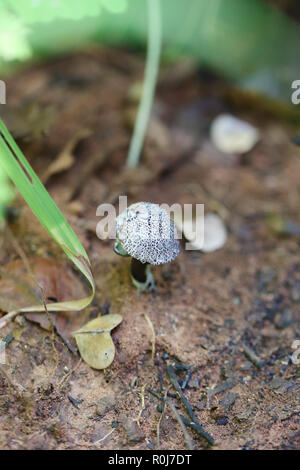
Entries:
{"x":147,"y":234}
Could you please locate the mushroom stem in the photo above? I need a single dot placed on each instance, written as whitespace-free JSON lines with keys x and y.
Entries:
{"x":141,"y":276}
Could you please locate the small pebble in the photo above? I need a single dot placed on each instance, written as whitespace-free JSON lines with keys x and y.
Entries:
{"x":211,"y":232}
{"x":232,"y":135}
{"x":105,"y":404}
{"x":296,"y":291}
{"x":223,"y":420}
{"x":132,"y":431}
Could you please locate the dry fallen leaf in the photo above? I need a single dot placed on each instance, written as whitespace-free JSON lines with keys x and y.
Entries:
{"x":30,"y":121}
{"x":18,"y":288}
{"x":66,"y":158}
{"x":94,"y":341}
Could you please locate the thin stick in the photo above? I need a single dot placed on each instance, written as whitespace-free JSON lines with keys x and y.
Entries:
{"x":104,"y":437}
{"x":8,"y":317}
{"x":162,"y":417}
{"x":182,"y":425}
{"x":153,"y":335}
{"x":66,"y":377}
{"x":151,"y":72}
{"x":196,"y":427}
{"x":142,"y":405}
{"x":174,"y":381}
{"x":155,"y":394}
{"x":252,"y":356}
{"x":163,"y":402}
{"x":52,"y":330}
{"x":167,"y":402}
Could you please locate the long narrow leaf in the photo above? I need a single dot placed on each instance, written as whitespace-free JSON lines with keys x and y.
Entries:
{"x":18,"y":169}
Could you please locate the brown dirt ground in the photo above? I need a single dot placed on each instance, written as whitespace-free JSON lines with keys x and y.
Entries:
{"x":207,"y":307}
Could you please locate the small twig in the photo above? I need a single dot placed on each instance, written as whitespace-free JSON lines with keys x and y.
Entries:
{"x":182,"y":425}
{"x":174,"y":381}
{"x":142,"y":405}
{"x":66,"y":377}
{"x":153,"y":335}
{"x":160,"y":378}
{"x":193,"y":425}
{"x":8,"y":318}
{"x":163,"y":402}
{"x":180,"y":367}
{"x":161,"y":418}
{"x":74,"y":402}
{"x":167,"y":402}
{"x":155,"y":394}
{"x":104,"y":437}
{"x":52,"y":329}
{"x":196,"y":427}
{"x":187,"y":378}
{"x":252,"y":356}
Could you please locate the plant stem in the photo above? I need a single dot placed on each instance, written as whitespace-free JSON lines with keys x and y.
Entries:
{"x":151,"y":72}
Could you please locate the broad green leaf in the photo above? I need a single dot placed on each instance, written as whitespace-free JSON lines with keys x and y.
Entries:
{"x":40,"y":11}
{"x":115,"y":6}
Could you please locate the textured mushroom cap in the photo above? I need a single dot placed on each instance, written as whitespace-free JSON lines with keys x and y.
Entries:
{"x":147,"y":233}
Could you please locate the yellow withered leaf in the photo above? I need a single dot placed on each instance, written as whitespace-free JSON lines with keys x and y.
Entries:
{"x":94,"y":341}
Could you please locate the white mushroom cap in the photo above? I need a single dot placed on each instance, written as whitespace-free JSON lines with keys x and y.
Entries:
{"x":147,"y":233}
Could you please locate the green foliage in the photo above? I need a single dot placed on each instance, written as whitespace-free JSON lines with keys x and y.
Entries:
{"x":36,"y":11}
{"x":225,"y":35}
{"x":18,"y":17}
{"x":13,"y":162}
{"x":14,"y":44}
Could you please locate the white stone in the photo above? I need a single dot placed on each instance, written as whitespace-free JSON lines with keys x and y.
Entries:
{"x":215,"y":233}
{"x":232,"y":135}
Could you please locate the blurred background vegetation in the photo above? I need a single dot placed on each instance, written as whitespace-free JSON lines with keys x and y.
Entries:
{"x":255,"y":43}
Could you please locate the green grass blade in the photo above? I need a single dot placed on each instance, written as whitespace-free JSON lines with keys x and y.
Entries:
{"x":18,"y":169}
